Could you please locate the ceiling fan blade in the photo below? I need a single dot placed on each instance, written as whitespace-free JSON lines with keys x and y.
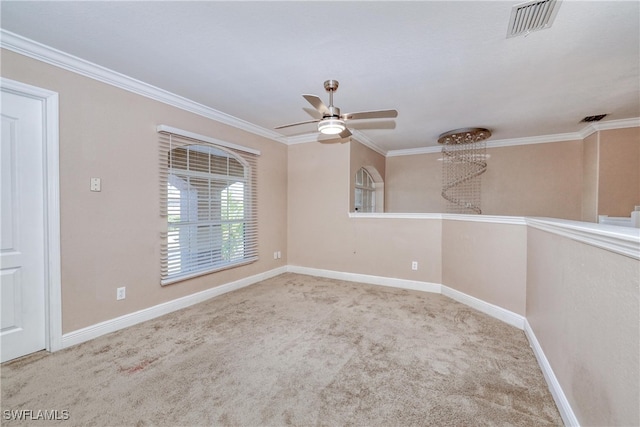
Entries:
{"x":313,"y":113}
{"x":317,"y":103}
{"x":380,"y":114}
{"x":372,"y":124}
{"x":296,"y":124}
{"x":334,"y":139}
{"x":345,"y":133}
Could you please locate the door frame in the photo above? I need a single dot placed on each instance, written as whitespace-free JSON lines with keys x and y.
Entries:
{"x":51,"y":162}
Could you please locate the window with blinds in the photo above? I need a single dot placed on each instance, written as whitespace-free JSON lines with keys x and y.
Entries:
{"x":365,"y":192}
{"x":208,"y":196}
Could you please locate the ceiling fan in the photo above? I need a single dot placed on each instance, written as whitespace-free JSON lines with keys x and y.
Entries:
{"x":334,"y":123}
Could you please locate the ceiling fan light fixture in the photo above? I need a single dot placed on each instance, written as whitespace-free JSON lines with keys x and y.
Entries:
{"x":332,"y":122}
{"x":331,"y":126}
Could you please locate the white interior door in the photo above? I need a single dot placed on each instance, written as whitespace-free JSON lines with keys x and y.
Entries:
{"x":22,"y":235}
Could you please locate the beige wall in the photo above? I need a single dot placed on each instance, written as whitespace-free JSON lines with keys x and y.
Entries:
{"x":583,"y":306}
{"x":321,"y":234}
{"x":318,"y":200}
{"x":363,"y":156}
{"x":534,"y":180}
{"x":611,"y":173}
{"x":524,"y":180}
{"x":413,"y":184}
{"x":619,"y":171}
{"x":111,"y":238}
{"x":487,"y":261}
{"x":590,"y":148}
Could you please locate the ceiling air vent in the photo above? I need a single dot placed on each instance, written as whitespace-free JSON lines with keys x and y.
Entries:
{"x":532,"y":16}
{"x":590,"y":119}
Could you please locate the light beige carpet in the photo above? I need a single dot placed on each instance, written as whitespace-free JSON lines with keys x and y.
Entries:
{"x":295,"y":350}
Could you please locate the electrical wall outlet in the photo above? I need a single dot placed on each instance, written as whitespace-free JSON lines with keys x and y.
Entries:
{"x":414,"y":265}
{"x":121,"y":293}
{"x":96,"y":184}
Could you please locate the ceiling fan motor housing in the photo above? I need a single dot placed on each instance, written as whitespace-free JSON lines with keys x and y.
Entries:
{"x":333,"y":112}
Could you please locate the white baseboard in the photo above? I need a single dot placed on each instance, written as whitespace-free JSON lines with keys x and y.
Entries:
{"x":112,"y":325}
{"x":499,"y":313}
{"x":365,"y":278}
{"x":568,"y":417}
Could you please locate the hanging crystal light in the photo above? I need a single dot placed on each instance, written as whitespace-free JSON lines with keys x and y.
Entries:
{"x":464,"y":160}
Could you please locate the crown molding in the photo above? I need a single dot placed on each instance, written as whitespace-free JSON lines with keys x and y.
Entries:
{"x":301,"y":139}
{"x":543,"y":139}
{"x":609,"y":125}
{"x":55,"y":57}
{"x":49,"y":55}
{"x":367,"y":142}
{"x":357,"y":136}
{"x":413,"y":151}
{"x":573,"y":136}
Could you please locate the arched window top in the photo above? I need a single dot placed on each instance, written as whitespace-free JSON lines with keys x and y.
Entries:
{"x":364,"y":192}
{"x":364,"y":180}
{"x":206,"y":159}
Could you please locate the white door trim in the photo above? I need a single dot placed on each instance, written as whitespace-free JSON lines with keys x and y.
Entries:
{"x":53,"y":282}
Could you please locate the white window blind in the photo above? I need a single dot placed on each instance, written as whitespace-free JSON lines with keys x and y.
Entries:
{"x":208,"y":196}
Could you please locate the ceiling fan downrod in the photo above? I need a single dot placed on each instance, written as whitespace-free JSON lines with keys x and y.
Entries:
{"x":332,"y":86}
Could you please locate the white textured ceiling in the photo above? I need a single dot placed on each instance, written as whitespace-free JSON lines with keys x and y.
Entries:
{"x":442,"y":65}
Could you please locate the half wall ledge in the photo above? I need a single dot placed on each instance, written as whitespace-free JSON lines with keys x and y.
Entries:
{"x":621,"y":240}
